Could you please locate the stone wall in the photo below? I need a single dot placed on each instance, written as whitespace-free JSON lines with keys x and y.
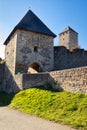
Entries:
{"x":74,"y":80}
{"x":31,"y":80}
{"x":1,"y":72}
{"x":25,"y":81}
{"x":23,"y":49}
{"x":68,"y":38}
{"x":34,"y":48}
{"x":64,"y":39}
{"x":1,"y":76}
{"x":65,"y":59}
{"x":73,"y":40}
{"x":10,"y":53}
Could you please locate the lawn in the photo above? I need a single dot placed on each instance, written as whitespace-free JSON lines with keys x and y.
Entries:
{"x":63,"y":107}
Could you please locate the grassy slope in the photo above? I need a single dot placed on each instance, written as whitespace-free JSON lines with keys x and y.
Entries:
{"x":65,"y":107}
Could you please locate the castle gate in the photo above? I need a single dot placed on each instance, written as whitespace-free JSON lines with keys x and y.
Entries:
{"x":34,"y":68}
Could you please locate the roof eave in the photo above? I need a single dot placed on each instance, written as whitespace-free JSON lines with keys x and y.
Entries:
{"x":53,"y":35}
{"x":8,"y":38}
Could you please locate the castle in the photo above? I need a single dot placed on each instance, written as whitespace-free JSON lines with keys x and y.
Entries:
{"x":30,"y":49}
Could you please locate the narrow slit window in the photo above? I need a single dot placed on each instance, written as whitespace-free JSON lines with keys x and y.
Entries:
{"x":35,"y":49}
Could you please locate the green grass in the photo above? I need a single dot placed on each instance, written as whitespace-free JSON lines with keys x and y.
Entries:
{"x":64,"y":107}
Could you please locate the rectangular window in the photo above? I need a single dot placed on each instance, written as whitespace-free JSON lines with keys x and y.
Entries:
{"x":35,"y":49}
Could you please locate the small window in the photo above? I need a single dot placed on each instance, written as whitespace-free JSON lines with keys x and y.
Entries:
{"x":35,"y":49}
{"x":7,"y":53}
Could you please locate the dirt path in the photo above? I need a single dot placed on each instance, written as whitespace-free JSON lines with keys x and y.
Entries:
{"x":14,"y":120}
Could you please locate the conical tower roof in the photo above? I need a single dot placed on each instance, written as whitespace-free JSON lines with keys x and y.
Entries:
{"x":31,"y":22}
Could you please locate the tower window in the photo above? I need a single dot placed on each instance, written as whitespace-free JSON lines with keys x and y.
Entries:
{"x":35,"y":49}
{"x":7,"y":53}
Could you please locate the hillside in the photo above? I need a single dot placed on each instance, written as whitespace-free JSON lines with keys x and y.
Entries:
{"x":64,"y":107}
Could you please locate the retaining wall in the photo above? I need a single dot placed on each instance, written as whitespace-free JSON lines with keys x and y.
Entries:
{"x":74,"y":80}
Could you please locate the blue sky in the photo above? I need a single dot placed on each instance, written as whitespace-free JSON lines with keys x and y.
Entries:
{"x":56,"y":14}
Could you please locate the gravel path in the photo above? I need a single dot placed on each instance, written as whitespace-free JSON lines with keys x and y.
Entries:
{"x":14,"y":120}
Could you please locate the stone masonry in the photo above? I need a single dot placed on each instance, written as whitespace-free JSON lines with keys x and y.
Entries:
{"x":30,"y":45}
{"x":1,"y":76}
{"x":20,"y":54}
{"x":65,"y":59}
{"x":33,"y":48}
{"x":74,"y":80}
{"x":68,"y":38}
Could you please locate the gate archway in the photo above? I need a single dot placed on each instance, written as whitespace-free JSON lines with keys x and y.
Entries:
{"x":34,"y":68}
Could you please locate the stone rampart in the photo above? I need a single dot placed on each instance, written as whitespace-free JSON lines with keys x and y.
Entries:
{"x":24,"y":81}
{"x":74,"y":80}
{"x":65,"y":59}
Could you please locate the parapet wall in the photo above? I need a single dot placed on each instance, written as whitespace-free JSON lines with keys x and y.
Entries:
{"x":74,"y":80}
{"x":65,"y":59}
{"x":24,"y":81}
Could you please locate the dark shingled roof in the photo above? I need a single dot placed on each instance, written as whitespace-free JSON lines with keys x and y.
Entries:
{"x":31,"y":22}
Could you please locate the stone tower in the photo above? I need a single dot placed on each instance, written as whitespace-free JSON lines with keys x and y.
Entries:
{"x":30,"y":44}
{"x":69,"y":38}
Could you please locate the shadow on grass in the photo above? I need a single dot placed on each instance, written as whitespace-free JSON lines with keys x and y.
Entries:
{"x":48,"y":88}
{"x":5,"y":99}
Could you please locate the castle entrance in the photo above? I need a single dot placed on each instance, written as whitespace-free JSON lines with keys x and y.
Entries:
{"x":34,"y":68}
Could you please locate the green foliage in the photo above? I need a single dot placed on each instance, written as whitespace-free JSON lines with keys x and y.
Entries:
{"x":65,"y":107}
{"x":2,"y":62}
